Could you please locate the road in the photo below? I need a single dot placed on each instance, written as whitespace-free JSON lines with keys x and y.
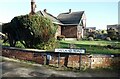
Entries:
{"x":14,"y":68}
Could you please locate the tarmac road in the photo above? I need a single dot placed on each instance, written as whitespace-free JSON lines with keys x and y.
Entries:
{"x":14,"y":68}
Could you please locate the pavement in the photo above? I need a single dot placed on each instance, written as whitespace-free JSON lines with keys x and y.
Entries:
{"x":15,"y":68}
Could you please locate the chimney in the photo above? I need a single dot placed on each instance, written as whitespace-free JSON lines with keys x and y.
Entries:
{"x":33,"y":6}
{"x":32,"y":0}
{"x":45,"y":10}
{"x":69,"y":10}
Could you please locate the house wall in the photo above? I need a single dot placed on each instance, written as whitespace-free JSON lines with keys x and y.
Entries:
{"x":112,"y":26}
{"x":79,"y":32}
{"x":84,"y":24}
{"x":0,"y":27}
{"x":69,"y":31}
{"x":58,"y":32}
{"x":81,"y":27}
{"x":116,"y":27}
{"x":84,"y":20}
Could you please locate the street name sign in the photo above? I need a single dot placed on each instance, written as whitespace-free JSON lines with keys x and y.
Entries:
{"x":61,"y":50}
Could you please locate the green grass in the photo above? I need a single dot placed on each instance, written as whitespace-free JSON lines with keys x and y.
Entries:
{"x":18,"y":44}
{"x":96,"y":47}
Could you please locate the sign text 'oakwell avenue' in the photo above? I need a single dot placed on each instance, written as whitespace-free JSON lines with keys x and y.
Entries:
{"x":70,"y":50}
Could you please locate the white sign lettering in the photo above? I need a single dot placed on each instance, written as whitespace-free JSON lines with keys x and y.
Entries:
{"x":70,"y":50}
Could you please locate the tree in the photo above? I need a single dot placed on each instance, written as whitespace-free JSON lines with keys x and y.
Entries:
{"x":112,"y":33}
{"x":33,"y":31}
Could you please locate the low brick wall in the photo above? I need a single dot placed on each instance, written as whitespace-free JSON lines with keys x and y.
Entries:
{"x":85,"y":61}
{"x":22,"y":55}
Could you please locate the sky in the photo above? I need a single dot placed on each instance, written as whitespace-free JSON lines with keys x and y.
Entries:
{"x":98,"y":13}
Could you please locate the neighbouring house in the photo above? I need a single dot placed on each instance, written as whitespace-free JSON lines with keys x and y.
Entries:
{"x":73,"y":24}
{"x":0,"y":23}
{"x":1,"y":26}
{"x":70,"y":24}
{"x":90,"y":29}
{"x":115,"y":26}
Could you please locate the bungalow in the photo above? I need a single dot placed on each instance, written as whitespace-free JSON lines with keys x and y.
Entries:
{"x":115,"y":26}
{"x":1,"y":26}
{"x":70,"y":24}
{"x":73,"y":24}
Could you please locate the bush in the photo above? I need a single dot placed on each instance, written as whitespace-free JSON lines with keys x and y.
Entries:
{"x":109,"y":46}
{"x":50,"y":45}
{"x":98,"y":39}
{"x":34,"y":30}
{"x":113,"y":34}
{"x":90,"y":38}
{"x":92,"y":34}
{"x":108,"y":39}
{"x":60,"y":37}
{"x":85,"y":38}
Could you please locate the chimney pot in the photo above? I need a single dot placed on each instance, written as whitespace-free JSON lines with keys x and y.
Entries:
{"x":32,"y":0}
{"x":69,"y":10}
{"x":33,"y":6}
{"x":45,"y":10}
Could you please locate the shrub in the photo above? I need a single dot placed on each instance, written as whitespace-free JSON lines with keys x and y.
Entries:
{"x":60,"y":37}
{"x":92,"y":34}
{"x":113,"y":34}
{"x":50,"y":45}
{"x":85,"y":38}
{"x":34,"y":30}
{"x":90,"y":38}
{"x":108,"y":39}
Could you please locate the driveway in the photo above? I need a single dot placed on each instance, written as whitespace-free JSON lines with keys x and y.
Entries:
{"x":15,"y":68}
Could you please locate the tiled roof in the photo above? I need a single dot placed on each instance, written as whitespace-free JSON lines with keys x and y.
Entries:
{"x":51,"y":17}
{"x":70,"y":18}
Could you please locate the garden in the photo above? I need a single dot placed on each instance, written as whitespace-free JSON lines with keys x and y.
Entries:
{"x":95,"y":47}
{"x":38,"y":32}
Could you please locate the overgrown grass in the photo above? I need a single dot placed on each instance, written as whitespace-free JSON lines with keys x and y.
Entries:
{"x":96,"y":47}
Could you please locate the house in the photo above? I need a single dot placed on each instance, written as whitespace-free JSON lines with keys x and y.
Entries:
{"x":70,"y":24}
{"x":115,"y":26}
{"x":90,"y":29}
{"x":1,"y":26}
{"x":73,"y":24}
{"x":53,"y":19}
{"x":0,"y":23}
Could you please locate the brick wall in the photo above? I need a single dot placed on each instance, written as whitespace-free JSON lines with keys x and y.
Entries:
{"x":69,"y":31}
{"x":85,"y":61}
{"x":58,"y":32}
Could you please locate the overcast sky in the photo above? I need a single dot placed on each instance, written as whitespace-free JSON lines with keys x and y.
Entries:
{"x":99,"y":13}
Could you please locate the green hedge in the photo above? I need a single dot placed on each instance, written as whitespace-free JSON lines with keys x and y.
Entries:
{"x":34,"y":30}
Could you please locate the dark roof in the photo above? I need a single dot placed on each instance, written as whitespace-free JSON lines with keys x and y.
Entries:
{"x":48,"y":15}
{"x":70,"y":18}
